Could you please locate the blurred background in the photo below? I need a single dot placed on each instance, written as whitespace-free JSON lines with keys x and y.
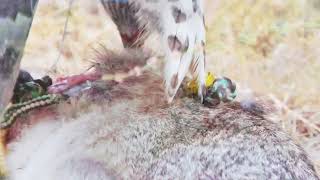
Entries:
{"x":271,"y":48}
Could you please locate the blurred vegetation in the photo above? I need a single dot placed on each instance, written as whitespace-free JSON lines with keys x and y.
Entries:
{"x":276,"y":38}
{"x":271,"y":48}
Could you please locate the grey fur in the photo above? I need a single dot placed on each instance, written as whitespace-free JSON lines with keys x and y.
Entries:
{"x":129,"y":136}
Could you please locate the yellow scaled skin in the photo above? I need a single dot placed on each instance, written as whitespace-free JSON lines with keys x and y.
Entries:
{"x":192,"y":86}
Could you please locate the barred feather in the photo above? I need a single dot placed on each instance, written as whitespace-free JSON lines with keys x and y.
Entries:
{"x":124,"y":15}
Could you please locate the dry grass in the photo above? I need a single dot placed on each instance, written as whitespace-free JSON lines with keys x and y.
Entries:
{"x":270,"y":47}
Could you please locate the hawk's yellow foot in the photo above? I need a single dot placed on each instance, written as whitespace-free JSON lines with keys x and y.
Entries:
{"x":218,"y":89}
{"x":192,"y":86}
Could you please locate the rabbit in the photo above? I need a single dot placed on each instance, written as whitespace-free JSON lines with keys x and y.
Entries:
{"x":127,"y":130}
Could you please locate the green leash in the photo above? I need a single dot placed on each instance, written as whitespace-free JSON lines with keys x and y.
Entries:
{"x":29,"y":94}
{"x":13,"y":111}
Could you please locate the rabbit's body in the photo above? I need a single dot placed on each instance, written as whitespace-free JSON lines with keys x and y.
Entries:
{"x":130,"y":132}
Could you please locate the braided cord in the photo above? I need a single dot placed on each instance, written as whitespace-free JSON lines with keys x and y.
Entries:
{"x":13,"y":111}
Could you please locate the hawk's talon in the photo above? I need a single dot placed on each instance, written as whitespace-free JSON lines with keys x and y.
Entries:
{"x":214,"y":91}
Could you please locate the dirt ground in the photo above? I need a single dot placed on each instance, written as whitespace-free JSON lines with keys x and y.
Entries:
{"x":271,"y":48}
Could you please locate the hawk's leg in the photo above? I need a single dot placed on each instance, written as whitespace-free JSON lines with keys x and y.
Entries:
{"x":183,"y":34}
{"x":182,"y":30}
